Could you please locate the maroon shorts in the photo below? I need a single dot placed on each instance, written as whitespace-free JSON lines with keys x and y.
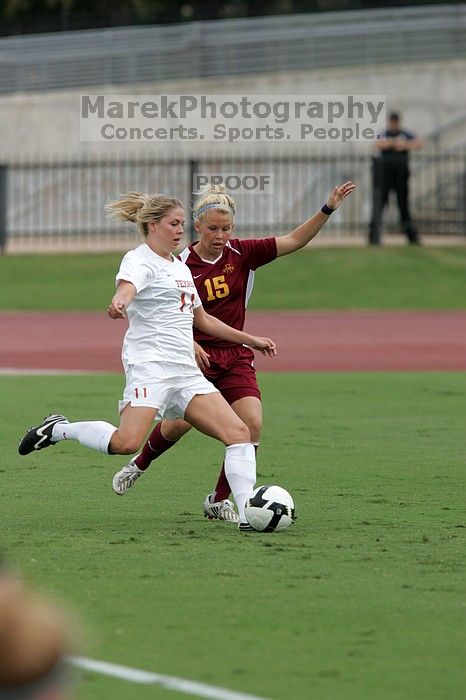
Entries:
{"x":232,"y":372}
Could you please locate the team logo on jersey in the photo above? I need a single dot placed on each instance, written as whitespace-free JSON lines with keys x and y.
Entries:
{"x":184,"y":283}
{"x":228,"y":269}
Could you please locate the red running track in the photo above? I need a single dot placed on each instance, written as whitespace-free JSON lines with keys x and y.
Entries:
{"x":307,"y":341}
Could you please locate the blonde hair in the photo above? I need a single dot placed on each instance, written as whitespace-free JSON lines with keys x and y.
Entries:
{"x":33,"y":641}
{"x":142,"y":208}
{"x":213,"y":197}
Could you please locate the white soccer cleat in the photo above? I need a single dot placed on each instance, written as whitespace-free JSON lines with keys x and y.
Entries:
{"x":220,"y":510}
{"x":125,"y":478}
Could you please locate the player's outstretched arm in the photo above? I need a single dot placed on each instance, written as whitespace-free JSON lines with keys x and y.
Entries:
{"x":309,"y":229}
{"x":216,"y":328}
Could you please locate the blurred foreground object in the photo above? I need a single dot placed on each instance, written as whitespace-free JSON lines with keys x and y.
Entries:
{"x":33,"y":645}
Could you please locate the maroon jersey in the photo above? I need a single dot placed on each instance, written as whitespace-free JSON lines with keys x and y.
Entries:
{"x":225,"y":284}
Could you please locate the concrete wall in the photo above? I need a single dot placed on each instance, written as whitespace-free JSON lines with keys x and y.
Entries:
{"x":47,"y":125}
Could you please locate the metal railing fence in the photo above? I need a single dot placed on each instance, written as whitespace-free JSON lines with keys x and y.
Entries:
{"x":60,"y":205}
{"x":132,"y":55}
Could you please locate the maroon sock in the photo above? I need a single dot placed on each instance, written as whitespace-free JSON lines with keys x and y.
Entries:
{"x":154,"y":447}
{"x":222,"y":489}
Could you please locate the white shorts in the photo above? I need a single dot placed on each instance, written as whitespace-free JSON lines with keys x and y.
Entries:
{"x":154,"y":384}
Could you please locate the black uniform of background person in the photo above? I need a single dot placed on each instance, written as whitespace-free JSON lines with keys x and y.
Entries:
{"x":391,"y":172}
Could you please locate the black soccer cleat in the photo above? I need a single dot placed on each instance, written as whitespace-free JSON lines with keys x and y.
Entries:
{"x":39,"y":437}
{"x":246,"y":527}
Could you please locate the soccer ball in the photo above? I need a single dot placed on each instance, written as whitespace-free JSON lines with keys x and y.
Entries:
{"x":270,"y":509}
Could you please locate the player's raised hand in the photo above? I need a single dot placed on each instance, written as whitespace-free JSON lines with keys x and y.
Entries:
{"x":264,"y":345}
{"x":338,"y":194}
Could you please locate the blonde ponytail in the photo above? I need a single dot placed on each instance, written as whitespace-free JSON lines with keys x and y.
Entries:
{"x":141,"y":208}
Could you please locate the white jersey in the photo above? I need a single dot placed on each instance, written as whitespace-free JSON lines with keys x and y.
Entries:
{"x":161,"y":314}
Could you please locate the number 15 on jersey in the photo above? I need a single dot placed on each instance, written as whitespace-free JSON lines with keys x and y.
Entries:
{"x":216,"y":288}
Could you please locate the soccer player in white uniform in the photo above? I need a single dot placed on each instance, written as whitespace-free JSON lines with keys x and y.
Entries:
{"x":156,"y":292}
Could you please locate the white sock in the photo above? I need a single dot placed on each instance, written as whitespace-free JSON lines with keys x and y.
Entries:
{"x":240,"y":470}
{"x":95,"y":434}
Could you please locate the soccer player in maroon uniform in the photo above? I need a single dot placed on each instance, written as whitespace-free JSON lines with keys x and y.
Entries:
{"x":223,"y":272}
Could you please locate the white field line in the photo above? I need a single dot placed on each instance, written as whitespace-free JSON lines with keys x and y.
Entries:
{"x":133,"y":675}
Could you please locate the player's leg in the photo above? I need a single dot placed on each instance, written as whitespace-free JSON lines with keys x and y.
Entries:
{"x":211,"y":415}
{"x":147,"y":386}
{"x":249,"y":409}
{"x":98,"y":435}
{"x":165,"y":434}
{"x":135,"y":422}
{"x":237,"y":383}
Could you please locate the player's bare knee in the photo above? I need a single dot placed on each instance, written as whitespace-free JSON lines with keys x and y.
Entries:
{"x":131,"y":446}
{"x":236,"y":434}
{"x":123,"y":445}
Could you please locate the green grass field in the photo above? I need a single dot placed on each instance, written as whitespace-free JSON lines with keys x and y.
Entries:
{"x":420,"y":278}
{"x":362,"y":598}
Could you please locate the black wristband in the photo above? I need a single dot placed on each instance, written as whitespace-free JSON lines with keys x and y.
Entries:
{"x":327,"y":210}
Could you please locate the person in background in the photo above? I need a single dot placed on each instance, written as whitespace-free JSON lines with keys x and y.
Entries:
{"x":390,"y":171}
